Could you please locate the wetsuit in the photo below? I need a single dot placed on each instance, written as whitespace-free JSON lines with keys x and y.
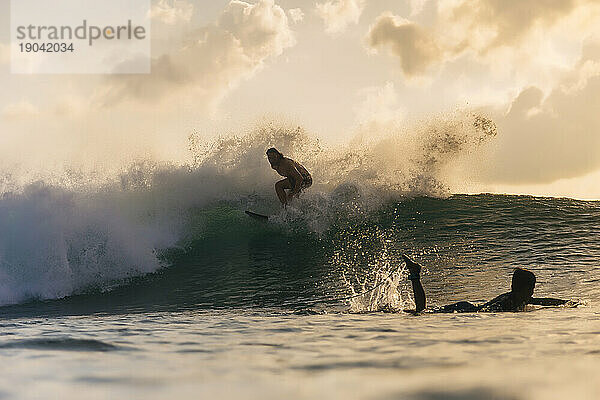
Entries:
{"x":503,"y":303}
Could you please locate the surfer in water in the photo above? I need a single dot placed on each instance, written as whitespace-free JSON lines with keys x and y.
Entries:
{"x":297,"y":178}
{"x":520,"y":295}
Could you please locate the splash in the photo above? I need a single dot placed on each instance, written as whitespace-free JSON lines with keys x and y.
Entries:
{"x":367,"y":265}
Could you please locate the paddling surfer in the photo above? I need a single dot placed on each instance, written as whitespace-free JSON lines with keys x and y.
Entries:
{"x":297,"y":178}
{"x":520,"y":295}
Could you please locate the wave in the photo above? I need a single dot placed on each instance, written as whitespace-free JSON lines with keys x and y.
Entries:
{"x":468,"y":245}
{"x":59,"y":238}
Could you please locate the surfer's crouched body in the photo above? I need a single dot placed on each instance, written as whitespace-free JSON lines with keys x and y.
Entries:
{"x":520,"y":295}
{"x":297,"y":178}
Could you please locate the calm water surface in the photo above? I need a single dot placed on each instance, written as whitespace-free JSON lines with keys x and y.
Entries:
{"x":543,"y":354}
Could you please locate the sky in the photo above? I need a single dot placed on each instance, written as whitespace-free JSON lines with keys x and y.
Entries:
{"x":339,"y":68}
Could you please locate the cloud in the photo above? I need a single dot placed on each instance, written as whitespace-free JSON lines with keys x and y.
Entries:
{"x":546,"y":138}
{"x":417,"y":6}
{"x":171,"y":12}
{"x":493,"y":32}
{"x":338,"y":14}
{"x":379,"y":106}
{"x":486,"y":24}
{"x":214,"y":59}
{"x":296,"y":15}
{"x":19,"y":111}
{"x":413,"y":45}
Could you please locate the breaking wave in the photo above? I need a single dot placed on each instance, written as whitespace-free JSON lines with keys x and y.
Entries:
{"x":59,"y":239}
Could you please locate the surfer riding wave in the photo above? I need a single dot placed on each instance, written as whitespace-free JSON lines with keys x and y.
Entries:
{"x":297,"y":178}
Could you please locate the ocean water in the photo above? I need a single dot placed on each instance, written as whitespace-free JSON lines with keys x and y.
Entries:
{"x":159,"y":286}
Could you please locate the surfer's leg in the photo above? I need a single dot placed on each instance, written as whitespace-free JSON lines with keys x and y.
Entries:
{"x":414,"y":276}
{"x":279,"y":189}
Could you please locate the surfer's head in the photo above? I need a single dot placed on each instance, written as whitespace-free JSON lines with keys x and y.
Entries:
{"x":523,"y":283}
{"x":274,"y":156}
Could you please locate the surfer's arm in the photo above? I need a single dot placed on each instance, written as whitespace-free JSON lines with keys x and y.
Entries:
{"x":547,"y":301}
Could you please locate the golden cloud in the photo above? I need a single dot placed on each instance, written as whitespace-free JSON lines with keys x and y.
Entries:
{"x":214,"y":59}
{"x":337,"y":15}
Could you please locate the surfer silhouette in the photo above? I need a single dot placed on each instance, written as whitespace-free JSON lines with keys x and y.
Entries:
{"x":520,"y":295}
{"x":297,"y":178}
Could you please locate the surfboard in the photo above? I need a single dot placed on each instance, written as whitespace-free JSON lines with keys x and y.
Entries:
{"x":257,"y":216}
